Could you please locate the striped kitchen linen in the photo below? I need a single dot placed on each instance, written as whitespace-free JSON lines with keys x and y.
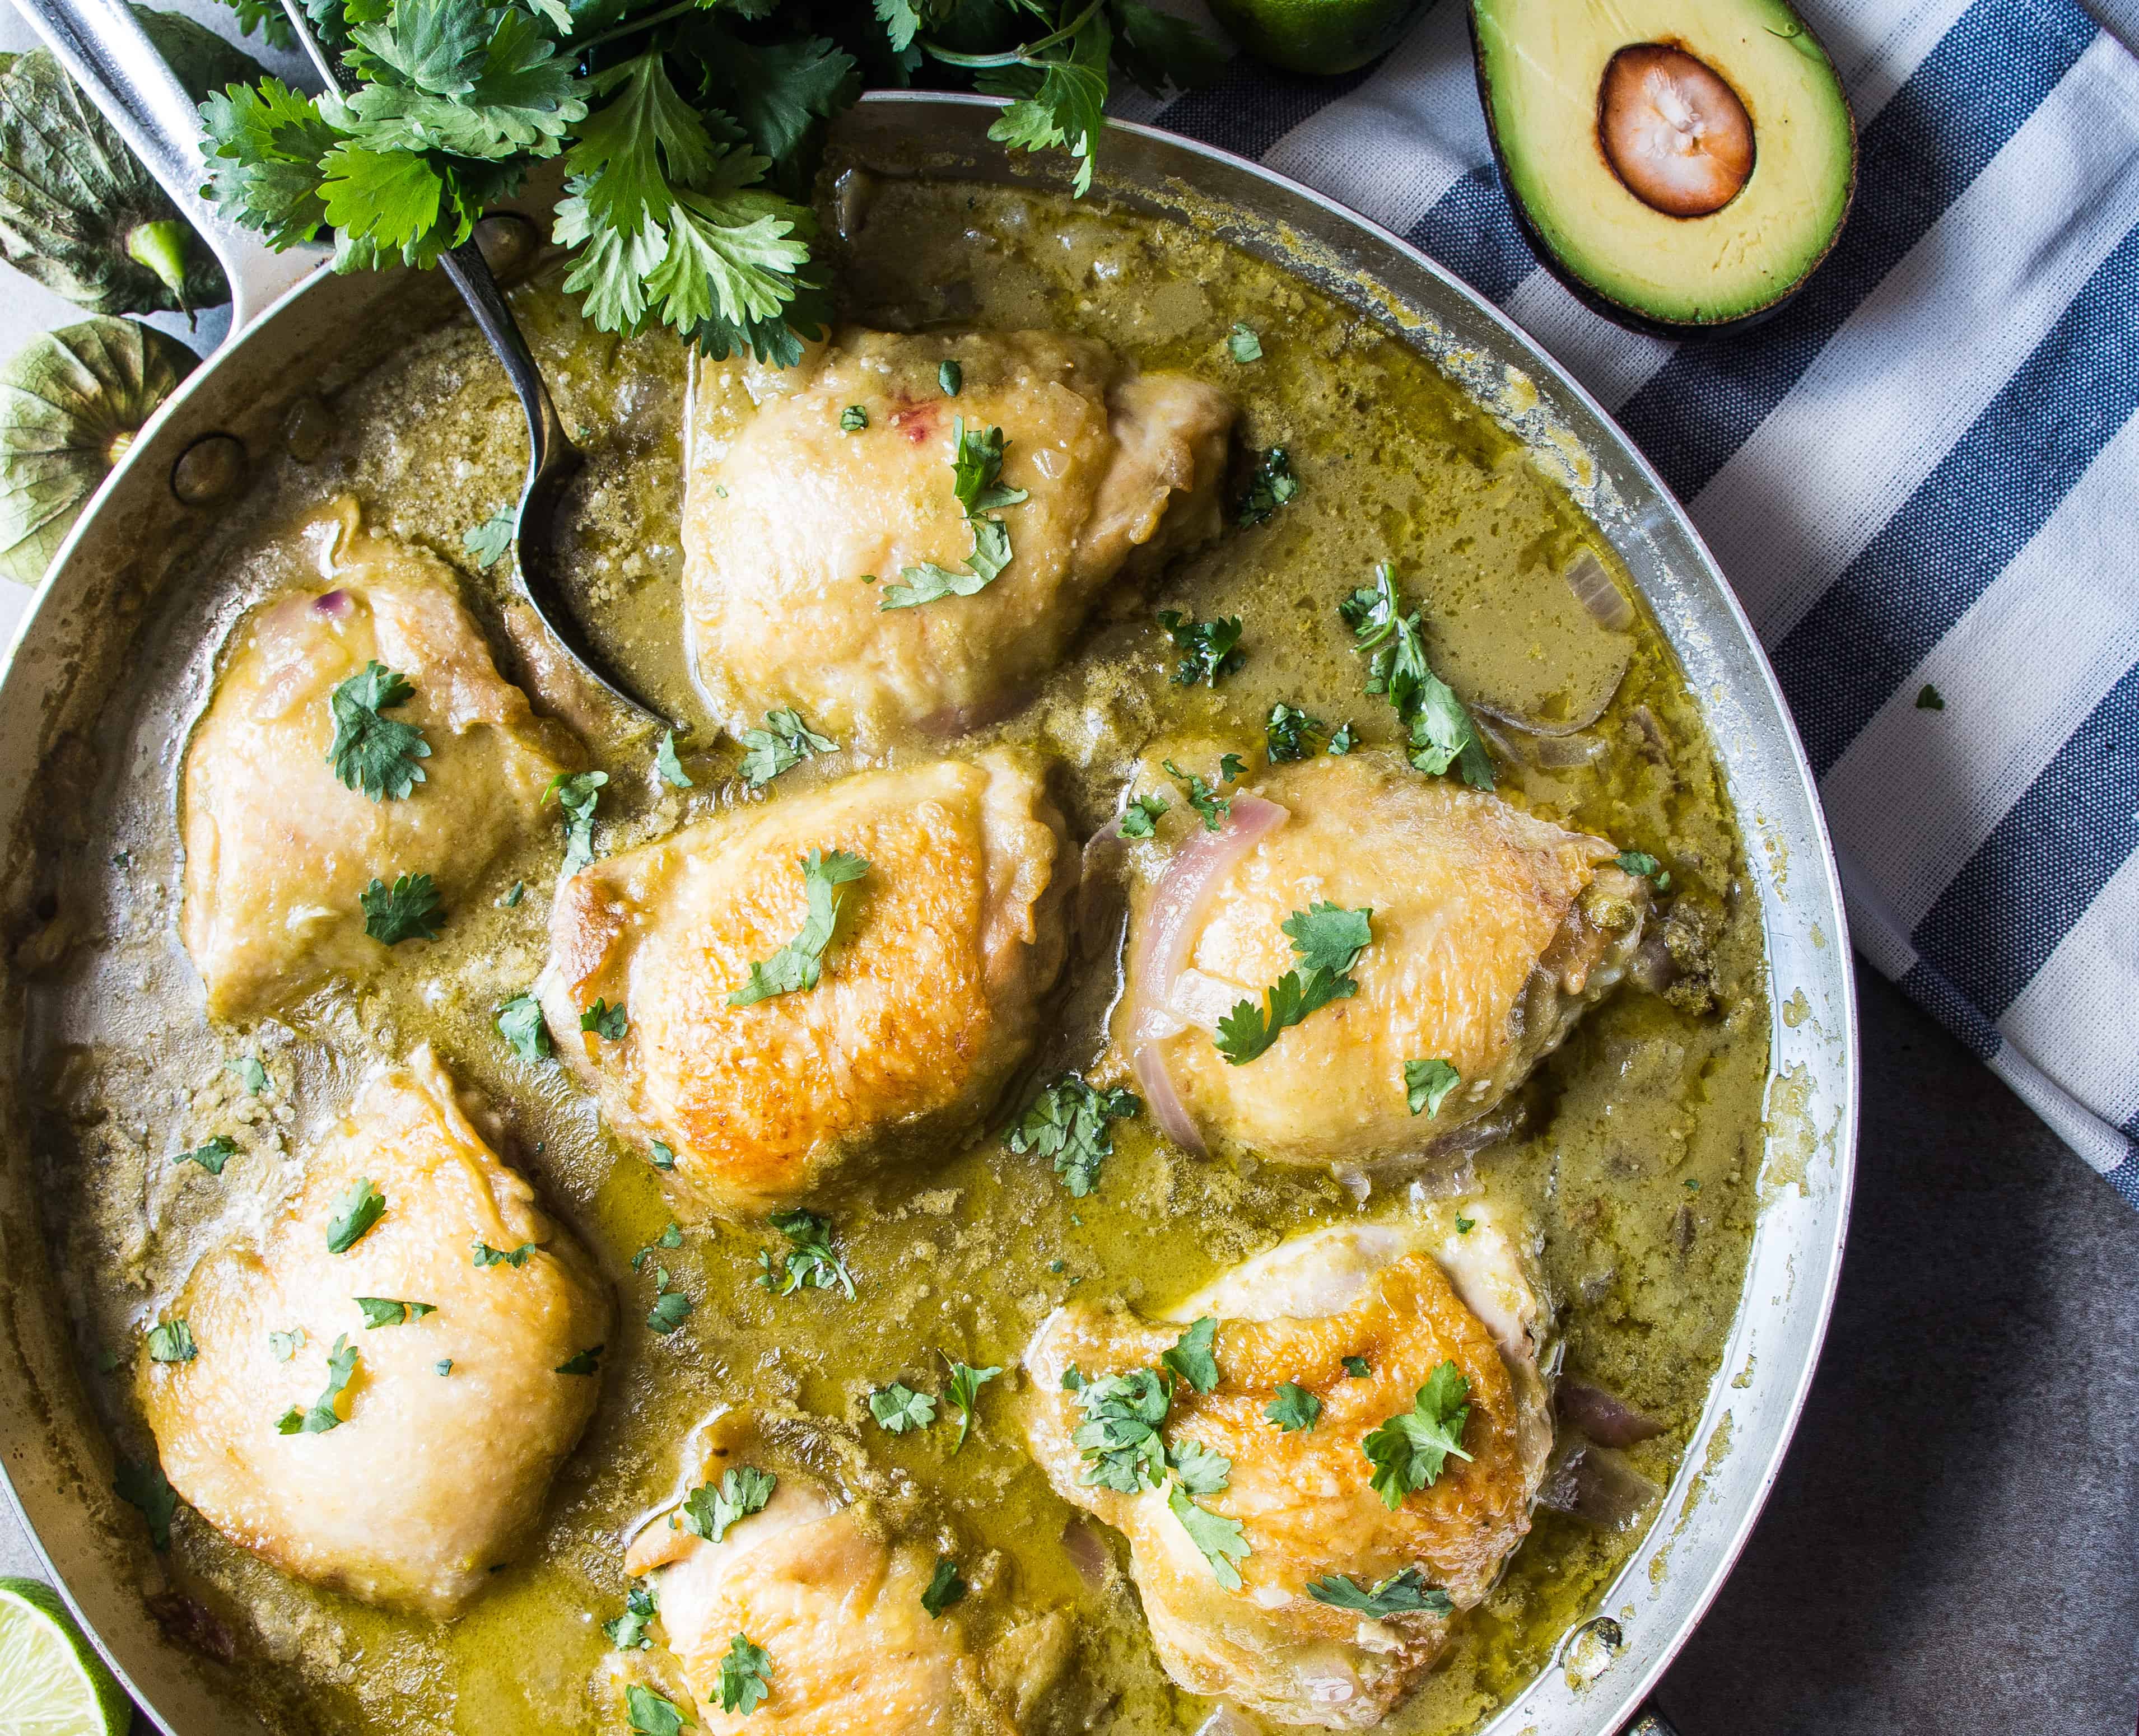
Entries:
{"x":1924,"y":471}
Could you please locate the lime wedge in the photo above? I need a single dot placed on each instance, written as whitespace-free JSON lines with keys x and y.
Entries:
{"x":51,"y":1681}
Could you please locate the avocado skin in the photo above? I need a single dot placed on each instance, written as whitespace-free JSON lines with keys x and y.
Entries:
{"x":1619,"y":313}
{"x":1371,"y":27}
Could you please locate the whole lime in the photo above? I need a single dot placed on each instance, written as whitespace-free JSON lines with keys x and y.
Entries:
{"x":1318,"y":35}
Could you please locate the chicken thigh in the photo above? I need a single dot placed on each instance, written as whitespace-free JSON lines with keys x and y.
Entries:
{"x":768,"y":1016}
{"x":1490,"y":931}
{"x":833,"y":1604}
{"x":1343,"y":1597}
{"x":814,"y":494}
{"x":302,"y":785}
{"x":379,"y":1387}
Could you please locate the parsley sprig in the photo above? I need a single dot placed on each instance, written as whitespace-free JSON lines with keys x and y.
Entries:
{"x":689,"y":134}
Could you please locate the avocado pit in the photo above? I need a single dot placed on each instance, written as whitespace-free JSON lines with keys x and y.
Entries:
{"x":1674,"y":132}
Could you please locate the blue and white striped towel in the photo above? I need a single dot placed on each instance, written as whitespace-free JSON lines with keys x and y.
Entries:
{"x":1925,"y":470}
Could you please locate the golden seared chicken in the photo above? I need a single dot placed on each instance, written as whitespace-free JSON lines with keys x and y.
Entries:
{"x":861,"y":960}
{"x":843,"y":1645}
{"x":1329,"y":1548}
{"x":369,"y":1393}
{"x":820,"y":499}
{"x":359,"y":731}
{"x":1489,"y":933}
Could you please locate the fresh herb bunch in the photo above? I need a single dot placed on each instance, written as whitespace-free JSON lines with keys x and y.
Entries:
{"x":690,"y":131}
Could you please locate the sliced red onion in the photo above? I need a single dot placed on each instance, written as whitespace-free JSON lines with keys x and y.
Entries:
{"x":1595,"y":1485}
{"x":1596,"y":591}
{"x":1603,"y":1416}
{"x":1559,"y":727}
{"x":1163,"y":941}
{"x":1149,"y":1062}
{"x":1087,"y":1551}
{"x":1168,"y":928}
{"x":332,"y":603}
{"x":1231,"y":1721}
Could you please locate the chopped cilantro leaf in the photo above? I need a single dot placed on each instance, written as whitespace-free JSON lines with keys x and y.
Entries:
{"x":670,"y":1309}
{"x":1404,"y":1591}
{"x":211,"y":1154}
{"x":809,"y":1262}
{"x":651,"y":1713}
{"x":1202,"y":797}
{"x":1356,"y":1367}
{"x":1464,"y":1225}
{"x":745,"y":1676}
{"x":1222,"y":1540}
{"x":1289,"y":733}
{"x":1428,"y":1084}
{"x":1210,"y":650}
{"x":341,"y":1364}
{"x":963,"y":1392}
{"x":662,"y":1156}
{"x":514,"y":894}
{"x":251,"y":1074}
{"x":1293,"y":1408}
{"x":584,"y":1362}
{"x":1066,"y":1123}
{"x":667,"y":765}
{"x":1191,"y":1356}
{"x":1640,"y":864}
{"x":578,"y":793}
{"x":710,"y":1509}
{"x":1270,"y":485}
{"x":1119,"y":1436}
{"x":356,"y":1208}
{"x":899,"y":1408}
{"x":145,"y":1486}
{"x":409,"y":910}
{"x":1930,"y":699}
{"x":1343,"y":740}
{"x":372,"y":752}
{"x":443,"y":1366}
{"x":483,"y":1254}
{"x":1198,"y":1469}
{"x":520,"y":1022}
{"x":608,"y":1023}
{"x":976,"y":457}
{"x":489,"y":540}
{"x":949,"y":376}
{"x":784,"y":742}
{"x":1245,"y":344}
{"x":945,"y":1587}
{"x":1327,"y":937}
{"x":628,"y":1632}
{"x":1408,"y":1451}
{"x":798,"y":965}
{"x":1140,"y":817}
{"x":172,"y":1341}
{"x":854,"y":419}
{"x":287,"y":1345}
{"x":385,"y":1311}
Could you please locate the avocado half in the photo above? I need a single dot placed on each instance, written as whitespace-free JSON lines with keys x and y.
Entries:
{"x":1679,"y":165}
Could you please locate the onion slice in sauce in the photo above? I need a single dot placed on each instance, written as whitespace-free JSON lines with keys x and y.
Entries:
{"x":1597,"y":591}
{"x":1604,"y":1417}
{"x":1162,"y":948}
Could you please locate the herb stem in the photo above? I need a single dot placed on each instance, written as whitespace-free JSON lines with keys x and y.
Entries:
{"x":630,"y":26}
{"x":1020,"y":55}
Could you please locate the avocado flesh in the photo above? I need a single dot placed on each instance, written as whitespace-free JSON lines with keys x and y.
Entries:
{"x":1540,"y":66}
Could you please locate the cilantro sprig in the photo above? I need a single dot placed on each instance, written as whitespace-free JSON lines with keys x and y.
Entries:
{"x":800,"y":963}
{"x":1409,"y":1450}
{"x":710,"y":1509}
{"x":1404,"y":1591}
{"x":1441,"y":734}
{"x":1328,"y":940}
{"x":372,"y":752}
{"x":689,"y":134}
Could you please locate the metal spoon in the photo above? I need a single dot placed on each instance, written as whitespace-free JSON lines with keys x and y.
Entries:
{"x":552,"y":459}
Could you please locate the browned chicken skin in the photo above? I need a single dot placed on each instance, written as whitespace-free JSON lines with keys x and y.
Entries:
{"x":786,"y":511}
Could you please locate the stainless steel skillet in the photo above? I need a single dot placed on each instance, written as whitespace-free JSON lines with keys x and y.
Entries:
{"x":290,"y":336}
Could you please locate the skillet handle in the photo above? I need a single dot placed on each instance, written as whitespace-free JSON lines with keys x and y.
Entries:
{"x":1650,"y":1722}
{"x":106,"y":53}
